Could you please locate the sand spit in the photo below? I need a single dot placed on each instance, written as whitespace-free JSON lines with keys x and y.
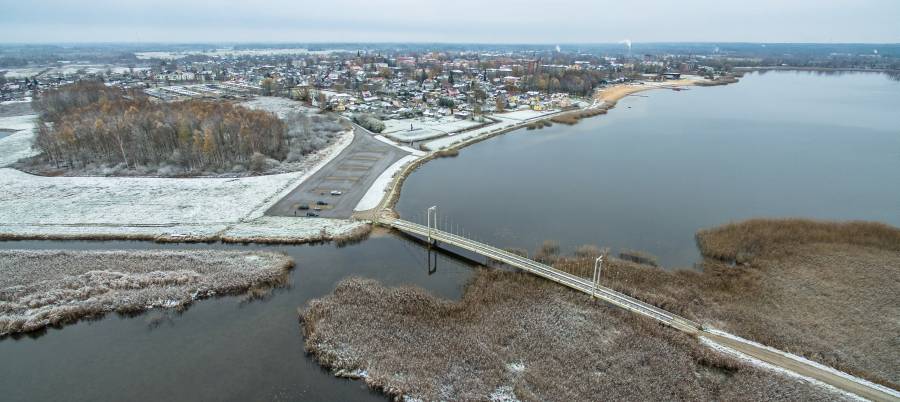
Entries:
{"x":50,"y":288}
{"x":517,"y":337}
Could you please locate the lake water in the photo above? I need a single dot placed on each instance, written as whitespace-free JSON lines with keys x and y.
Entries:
{"x":646,"y":176}
{"x":664,"y":164}
{"x":219,"y":349}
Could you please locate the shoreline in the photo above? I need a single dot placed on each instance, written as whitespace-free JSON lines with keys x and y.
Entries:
{"x":604,"y":100}
{"x":254,"y":227}
{"x":820,"y":69}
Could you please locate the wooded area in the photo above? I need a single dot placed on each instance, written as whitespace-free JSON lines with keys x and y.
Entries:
{"x":88,"y":124}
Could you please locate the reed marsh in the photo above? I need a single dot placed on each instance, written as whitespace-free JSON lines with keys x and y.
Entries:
{"x":519,"y":337}
{"x":41,"y":288}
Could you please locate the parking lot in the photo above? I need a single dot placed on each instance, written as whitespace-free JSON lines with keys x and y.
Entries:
{"x":351,"y":173}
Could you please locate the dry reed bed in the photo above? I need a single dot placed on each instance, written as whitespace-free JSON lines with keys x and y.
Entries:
{"x":353,"y":236}
{"x":724,"y":80}
{"x":517,"y":336}
{"x":51,"y":288}
{"x":344,"y":238}
{"x":573,"y":118}
{"x":826,"y":291}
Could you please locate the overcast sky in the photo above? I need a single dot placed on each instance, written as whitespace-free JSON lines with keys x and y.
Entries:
{"x":482,"y":21}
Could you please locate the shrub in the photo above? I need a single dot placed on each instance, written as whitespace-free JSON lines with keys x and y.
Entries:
{"x":369,"y":122}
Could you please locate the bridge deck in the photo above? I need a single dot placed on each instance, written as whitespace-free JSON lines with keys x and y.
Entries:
{"x":548,"y":272}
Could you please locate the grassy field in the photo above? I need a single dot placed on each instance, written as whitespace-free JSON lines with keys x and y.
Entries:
{"x":51,"y":288}
{"x":826,"y":291}
{"x":517,"y":336}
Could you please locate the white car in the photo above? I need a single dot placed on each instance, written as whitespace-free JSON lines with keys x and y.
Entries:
{"x":335,"y":192}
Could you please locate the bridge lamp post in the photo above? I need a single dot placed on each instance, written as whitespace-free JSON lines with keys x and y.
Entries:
{"x":430,"y":211}
{"x":598,"y":265}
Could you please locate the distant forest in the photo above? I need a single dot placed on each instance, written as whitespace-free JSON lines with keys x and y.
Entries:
{"x":87,"y":125}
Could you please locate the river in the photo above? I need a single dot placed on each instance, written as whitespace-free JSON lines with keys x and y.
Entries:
{"x":646,"y":176}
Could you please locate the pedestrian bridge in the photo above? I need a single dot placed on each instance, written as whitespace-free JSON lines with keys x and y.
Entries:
{"x":786,"y":361}
{"x":592,"y":288}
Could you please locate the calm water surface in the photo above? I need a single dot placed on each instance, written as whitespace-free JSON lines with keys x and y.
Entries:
{"x":664,"y":164}
{"x":219,"y":349}
{"x":646,"y":176}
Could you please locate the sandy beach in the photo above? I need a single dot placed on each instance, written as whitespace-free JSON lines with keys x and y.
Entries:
{"x":614,"y":93}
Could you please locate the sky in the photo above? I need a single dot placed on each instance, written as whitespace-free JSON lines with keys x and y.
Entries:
{"x":454,"y":21}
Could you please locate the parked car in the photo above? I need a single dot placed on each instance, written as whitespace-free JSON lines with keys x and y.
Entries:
{"x":335,"y":192}
{"x":311,"y":214}
{"x":320,"y":202}
{"x":303,"y":207}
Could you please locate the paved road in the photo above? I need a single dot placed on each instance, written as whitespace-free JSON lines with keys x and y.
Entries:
{"x":352,"y":172}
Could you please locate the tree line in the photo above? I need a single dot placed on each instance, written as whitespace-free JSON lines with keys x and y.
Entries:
{"x":90,"y":123}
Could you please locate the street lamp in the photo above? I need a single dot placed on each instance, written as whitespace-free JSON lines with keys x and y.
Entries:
{"x":430,"y":211}
{"x":598,"y":265}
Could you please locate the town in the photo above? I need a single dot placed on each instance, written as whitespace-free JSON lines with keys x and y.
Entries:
{"x":434,"y":87}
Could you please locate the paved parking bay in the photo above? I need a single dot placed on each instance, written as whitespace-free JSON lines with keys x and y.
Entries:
{"x":352,"y":172}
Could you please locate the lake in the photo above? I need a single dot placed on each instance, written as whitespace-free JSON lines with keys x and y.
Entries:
{"x":663,"y":164}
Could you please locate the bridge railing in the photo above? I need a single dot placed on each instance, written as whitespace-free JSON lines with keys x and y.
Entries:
{"x":548,"y":272}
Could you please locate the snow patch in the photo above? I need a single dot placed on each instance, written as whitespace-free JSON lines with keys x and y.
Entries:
{"x":280,"y":106}
{"x":379,"y":186}
{"x":503,"y":394}
{"x":415,"y":152}
{"x":17,"y":145}
{"x":516,"y":367}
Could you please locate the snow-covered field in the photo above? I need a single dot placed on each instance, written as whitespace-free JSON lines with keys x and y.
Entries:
{"x":37,"y":200}
{"x":524,"y":114}
{"x":67,"y":69}
{"x":229,"y":52}
{"x":16,"y":145}
{"x":280,"y":106}
{"x":424,"y":128}
{"x":506,"y":121}
{"x":164,"y":208}
{"x":376,"y":192}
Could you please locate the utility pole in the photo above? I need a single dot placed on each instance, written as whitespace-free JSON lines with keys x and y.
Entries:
{"x":598,"y":265}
